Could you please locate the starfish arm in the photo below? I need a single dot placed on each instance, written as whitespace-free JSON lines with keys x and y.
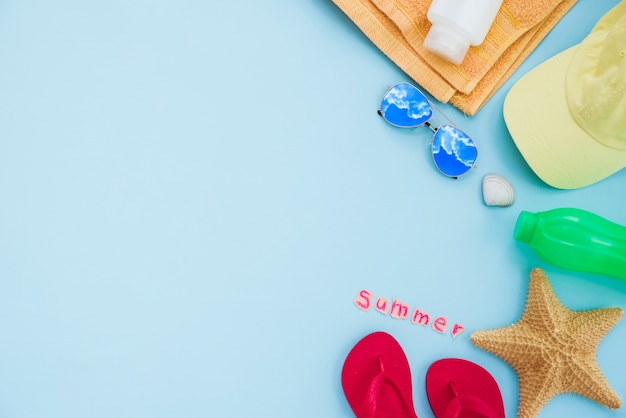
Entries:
{"x":588,"y":328}
{"x":537,"y":385}
{"x":543,"y":309}
{"x":584,"y":377}
{"x":515,"y":344}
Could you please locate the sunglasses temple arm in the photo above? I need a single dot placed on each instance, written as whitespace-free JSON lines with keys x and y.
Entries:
{"x":432,"y":128}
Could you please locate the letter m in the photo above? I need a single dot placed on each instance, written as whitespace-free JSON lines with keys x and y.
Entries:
{"x":420,"y":318}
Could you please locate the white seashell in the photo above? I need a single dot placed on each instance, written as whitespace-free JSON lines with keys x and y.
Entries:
{"x":497,"y":191}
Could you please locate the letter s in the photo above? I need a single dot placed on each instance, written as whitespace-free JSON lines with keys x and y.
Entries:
{"x":364,"y":300}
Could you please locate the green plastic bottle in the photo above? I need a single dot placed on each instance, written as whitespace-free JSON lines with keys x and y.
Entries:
{"x":575,"y":239}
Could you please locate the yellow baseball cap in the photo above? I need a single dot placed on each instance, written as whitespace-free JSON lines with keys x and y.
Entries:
{"x":567,"y":116}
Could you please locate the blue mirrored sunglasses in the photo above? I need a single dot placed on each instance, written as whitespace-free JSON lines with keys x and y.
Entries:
{"x":453,"y":151}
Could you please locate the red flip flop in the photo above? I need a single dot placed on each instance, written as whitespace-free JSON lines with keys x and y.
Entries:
{"x":376,"y":379}
{"x":458,"y":388}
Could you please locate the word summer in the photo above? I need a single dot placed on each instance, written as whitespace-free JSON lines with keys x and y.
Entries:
{"x":400,"y":310}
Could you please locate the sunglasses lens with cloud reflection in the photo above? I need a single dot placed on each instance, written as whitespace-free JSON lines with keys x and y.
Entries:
{"x":404,"y":106}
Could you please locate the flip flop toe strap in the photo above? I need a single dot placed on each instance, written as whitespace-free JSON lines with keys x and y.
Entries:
{"x":468,"y":402}
{"x":373,"y":393}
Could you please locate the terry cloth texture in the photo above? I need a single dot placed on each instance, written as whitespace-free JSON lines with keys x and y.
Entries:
{"x":398,"y":29}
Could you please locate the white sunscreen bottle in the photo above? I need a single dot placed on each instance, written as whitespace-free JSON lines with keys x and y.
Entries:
{"x":457,"y":24}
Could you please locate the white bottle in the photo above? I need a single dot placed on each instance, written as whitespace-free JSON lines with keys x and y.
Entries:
{"x":457,"y":24}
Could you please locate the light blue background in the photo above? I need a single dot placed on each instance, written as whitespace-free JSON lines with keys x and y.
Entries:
{"x":192,"y":194}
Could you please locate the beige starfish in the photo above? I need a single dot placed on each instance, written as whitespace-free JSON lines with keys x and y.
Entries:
{"x":553,"y":349}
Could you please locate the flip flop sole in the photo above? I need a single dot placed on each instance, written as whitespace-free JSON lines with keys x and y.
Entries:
{"x":467,"y":384}
{"x":376,"y":378}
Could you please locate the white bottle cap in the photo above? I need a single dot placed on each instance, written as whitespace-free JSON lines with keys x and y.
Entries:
{"x":447,"y":43}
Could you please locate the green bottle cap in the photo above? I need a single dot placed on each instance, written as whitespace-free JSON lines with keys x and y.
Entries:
{"x":525,"y":226}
